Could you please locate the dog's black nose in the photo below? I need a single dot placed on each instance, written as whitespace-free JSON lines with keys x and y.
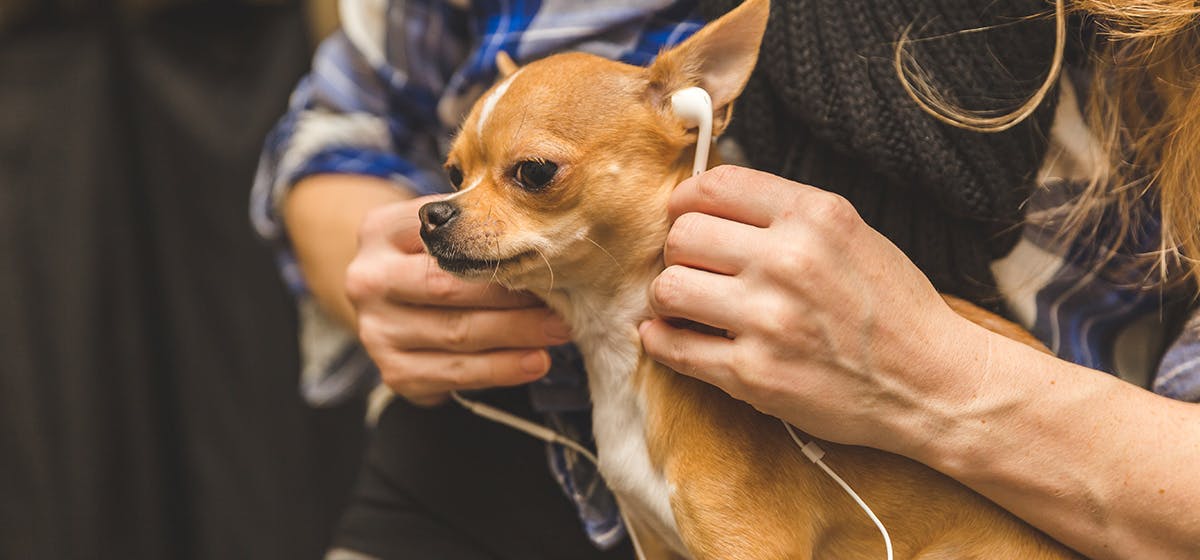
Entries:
{"x":437,"y":214}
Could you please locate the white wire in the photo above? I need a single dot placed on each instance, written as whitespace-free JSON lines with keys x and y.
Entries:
{"x":814,"y":454}
{"x":547,"y":435}
{"x":810,"y":450}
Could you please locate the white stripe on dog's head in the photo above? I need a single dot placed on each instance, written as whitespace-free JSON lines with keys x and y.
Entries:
{"x":489,"y":104}
{"x":473,"y":184}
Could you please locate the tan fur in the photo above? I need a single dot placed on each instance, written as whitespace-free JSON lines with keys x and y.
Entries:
{"x":505,"y":64}
{"x":741,"y":489}
{"x":746,"y":491}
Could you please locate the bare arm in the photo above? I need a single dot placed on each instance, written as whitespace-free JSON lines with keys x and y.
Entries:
{"x":825,"y":311}
{"x":1100,"y":464}
{"x":323,"y":214}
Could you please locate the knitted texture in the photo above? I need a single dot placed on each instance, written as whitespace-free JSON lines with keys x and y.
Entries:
{"x":825,"y":107}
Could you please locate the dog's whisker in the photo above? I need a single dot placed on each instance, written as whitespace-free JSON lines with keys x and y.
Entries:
{"x":495,"y":271}
{"x":610,"y":255}
{"x":521,"y":126}
{"x":548,"y":267}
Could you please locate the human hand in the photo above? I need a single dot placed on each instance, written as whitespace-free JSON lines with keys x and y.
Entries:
{"x":431,"y":333}
{"x":830,"y":326}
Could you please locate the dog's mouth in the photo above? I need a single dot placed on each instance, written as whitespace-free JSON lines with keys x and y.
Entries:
{"x":456,"y":263}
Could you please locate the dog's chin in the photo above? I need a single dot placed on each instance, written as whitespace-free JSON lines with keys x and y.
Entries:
{"x":473,"y":268}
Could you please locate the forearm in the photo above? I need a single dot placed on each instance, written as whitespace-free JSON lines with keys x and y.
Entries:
{"x":839,"y":334}
{"x":1103,"y":466}
{"x":323,"y":214}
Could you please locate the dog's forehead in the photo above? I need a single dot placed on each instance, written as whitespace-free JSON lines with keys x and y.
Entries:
{"x":563,"y":95}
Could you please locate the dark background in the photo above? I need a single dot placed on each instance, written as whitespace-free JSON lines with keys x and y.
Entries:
{"x":148,"y":369}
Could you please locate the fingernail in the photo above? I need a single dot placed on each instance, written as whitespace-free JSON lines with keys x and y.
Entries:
{"x":535,"y":363}
{"x":557,"y":329}
{"x":643,"y":326}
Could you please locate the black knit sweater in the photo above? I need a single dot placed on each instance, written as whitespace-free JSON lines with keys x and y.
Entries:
{"x":826,"y":108}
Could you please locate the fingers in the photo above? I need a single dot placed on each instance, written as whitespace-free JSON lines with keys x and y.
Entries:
{"x":430,"y":332}
{"x":466,"y":330}
{"x":425,"y":378}
{"x":422,"y":282}
{"x":392,"y":264}
{"x":696,"y":295}
{"x":734,"y":193}
{"x":704,"y":356}
{"x":710,"y":243}
{"x":416,"y":280}
{"x":395,"y":224}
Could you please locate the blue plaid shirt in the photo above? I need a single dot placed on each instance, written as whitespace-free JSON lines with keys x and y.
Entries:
{"x":387,"y":93}
{"x":1109,"y":314}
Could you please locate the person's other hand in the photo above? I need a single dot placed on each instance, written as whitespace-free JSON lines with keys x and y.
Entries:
{"x":431,"y":333}
{"x":830,"y":325}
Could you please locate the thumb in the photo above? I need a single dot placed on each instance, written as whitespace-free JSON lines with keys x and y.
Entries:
{"x":402,"y":223}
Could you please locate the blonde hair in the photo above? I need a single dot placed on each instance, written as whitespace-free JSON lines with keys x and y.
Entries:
{"x":1144,"y":110}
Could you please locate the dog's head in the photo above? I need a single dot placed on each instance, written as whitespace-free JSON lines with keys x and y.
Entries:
{"x":563,"y":168}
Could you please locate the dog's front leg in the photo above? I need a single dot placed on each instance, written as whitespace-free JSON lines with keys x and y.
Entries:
{"x":652,"y":545}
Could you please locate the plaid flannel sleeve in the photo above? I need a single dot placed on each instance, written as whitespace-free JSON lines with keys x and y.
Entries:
{"x":368,"y":107}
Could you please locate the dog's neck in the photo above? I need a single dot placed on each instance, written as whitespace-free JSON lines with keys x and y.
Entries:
{"x":611,"y":304}
{"x":604,"y":314}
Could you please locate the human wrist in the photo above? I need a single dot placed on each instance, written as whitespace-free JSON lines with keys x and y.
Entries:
{"x":948,"y":363}
{"x":1010,"y":395}
{"x":323,"y":214}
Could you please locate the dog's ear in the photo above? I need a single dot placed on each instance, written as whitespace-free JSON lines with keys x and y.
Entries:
{"x":505,"y":64}
{"x":718,"y":58}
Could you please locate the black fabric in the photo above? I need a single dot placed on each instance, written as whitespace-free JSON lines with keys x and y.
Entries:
{"x":148,"y":402}
{"x":444,"y":483}
{"x":825,"y":107}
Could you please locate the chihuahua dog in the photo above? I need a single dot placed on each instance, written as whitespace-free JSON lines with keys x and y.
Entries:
{"x":563,"y":170}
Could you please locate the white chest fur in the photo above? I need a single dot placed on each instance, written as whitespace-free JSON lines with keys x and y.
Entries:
{"x":607,"y":337}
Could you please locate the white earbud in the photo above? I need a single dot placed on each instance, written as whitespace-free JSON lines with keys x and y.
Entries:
{"x":694,"y":106}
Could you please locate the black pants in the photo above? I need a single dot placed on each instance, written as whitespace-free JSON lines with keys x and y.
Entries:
{"x":442,"y":483}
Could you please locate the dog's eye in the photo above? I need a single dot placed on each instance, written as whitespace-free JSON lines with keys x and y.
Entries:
{"x":534,"y":175}
{"x":456,"y":176}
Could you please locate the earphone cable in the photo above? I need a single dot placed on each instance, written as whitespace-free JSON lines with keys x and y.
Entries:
{"x":549,"y":436}
{"x":815,"y":454}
